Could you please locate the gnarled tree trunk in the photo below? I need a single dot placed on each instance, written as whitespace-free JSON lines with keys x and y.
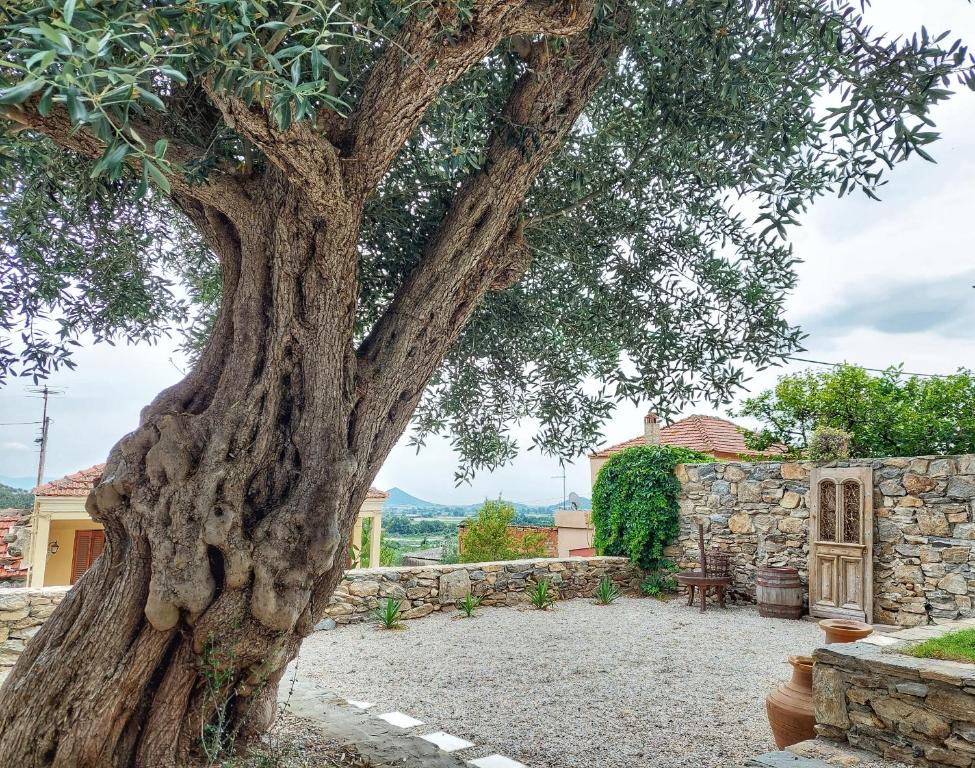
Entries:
{"x":228,"y":511}
{"x":227,"y":515}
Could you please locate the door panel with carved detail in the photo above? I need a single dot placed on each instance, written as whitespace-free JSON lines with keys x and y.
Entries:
{"x":841,"y":543}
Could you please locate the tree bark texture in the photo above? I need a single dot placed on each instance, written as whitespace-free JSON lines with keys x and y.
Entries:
{"x":228,"y":511}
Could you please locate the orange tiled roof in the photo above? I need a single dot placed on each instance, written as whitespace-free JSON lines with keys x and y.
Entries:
{"x":707,"y":434}
{"x":76,"y":484}
{"x":81,"y":483}
{"x":9,"y":566}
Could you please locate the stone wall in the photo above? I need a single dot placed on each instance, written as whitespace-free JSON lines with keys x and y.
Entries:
{"x":423,"y":589}
{"x":22,"y":611}
{"x":427,"y":589}
{"x":14,"y":544}
{"x":924,"y":528}
{"x":918,"y":711}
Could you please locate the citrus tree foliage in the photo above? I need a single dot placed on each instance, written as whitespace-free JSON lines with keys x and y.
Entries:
{"x":655,"y":253}
{"x":634,"y":502}
{"x":489,"y":536}
{"x":889,"y":414}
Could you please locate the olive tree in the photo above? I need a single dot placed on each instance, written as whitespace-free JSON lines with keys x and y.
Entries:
{"x":462,"y":212}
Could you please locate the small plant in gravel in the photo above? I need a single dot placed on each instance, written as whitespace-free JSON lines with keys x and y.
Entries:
{"x":542,"y":595}
{"x":607,"y":592}
{"x":469,"y":604}
{"x":387,"y":614}
{"x":658,"y":583}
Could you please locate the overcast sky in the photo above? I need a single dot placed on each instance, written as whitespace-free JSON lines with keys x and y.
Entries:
{"x":880,"y":283}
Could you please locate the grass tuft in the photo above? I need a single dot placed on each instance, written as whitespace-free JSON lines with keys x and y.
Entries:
{"x":954,"y":646}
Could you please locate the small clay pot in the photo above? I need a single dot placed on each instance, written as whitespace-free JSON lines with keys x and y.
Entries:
{"x":844,"y":630}
{"x":790,"y":706}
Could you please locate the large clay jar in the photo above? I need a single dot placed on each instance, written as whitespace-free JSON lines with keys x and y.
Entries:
{"x":790,"y":706}
{"x":844,"y":630}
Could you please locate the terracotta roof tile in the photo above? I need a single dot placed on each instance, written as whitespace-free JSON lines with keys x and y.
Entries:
{"x":707,"y":434}
{"x":81,"y":483}
{"x":76,"y":484}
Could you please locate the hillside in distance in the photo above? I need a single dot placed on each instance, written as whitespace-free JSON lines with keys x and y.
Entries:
{"x":405,"y":503}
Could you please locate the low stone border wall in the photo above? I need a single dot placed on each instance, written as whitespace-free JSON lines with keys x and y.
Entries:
{"x":427,"y":589}
{"x":22,"y":611}
{"x":423,"y":589}
{"x":919,"y":711}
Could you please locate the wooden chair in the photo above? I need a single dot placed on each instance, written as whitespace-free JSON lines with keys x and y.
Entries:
{"x":715,"y":573}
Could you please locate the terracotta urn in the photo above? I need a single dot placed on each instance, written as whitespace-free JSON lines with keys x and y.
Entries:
{"x":844,"y":630}
{"x":790,"y":706}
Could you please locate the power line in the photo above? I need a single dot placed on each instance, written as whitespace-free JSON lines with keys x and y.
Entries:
{"x":17,"y":423}
{"x":876,"y":370}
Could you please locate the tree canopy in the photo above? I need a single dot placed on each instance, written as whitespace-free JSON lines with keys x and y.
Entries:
{"x":490,"y":537}
{"x":649,"y":253}
{"x":890,"y":414}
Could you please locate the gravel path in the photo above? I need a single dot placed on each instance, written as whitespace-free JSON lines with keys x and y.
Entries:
{"x":638,"y":683}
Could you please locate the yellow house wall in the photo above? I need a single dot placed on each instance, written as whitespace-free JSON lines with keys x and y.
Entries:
{"x":58,"y":570}
{"x":595,"y":464}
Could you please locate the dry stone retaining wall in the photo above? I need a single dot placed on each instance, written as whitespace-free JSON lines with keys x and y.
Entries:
{"x":425,"y":589}
{"x":919,"y":711}
{"x":924,"y":528}
{"x":22,"y":611}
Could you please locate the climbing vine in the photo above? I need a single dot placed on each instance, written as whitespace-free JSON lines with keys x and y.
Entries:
{"x":634,"y":503}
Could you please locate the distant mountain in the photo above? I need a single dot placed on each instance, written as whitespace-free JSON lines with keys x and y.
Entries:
{"x":27,"y":483}
{"x":400,"y":499}
{"x":582,"y":501}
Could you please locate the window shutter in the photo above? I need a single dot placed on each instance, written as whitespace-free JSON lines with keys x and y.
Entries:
{"x":88,"y":545}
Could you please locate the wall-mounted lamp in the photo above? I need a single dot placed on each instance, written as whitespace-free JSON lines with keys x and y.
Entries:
{"x":53,"y":547}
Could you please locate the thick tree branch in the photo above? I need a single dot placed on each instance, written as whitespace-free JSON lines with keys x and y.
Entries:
{"x":303,"y":153}
{"x":421,"y":62}
{"x":226,"y":192}
{"x":477,"y":247}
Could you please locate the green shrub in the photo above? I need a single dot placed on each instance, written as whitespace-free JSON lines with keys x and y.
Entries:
{"x":829,"y":444}
{"x":542,"y":595}
{"x":634,"y":502}
{"x":659,"y":582}
{"x":387,"y":614}
{"x":469,"y":604}
{"x":489,"y":537}
{"x":607,"y":592}
{"x":449,"y":552}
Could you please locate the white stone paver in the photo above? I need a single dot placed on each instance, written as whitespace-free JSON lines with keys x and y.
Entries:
{"x":880,"y":640}
{"x":447,"y":742}
{"x":496,"y":761}
{"x":400,"y":720}
{"x":360,"y":704}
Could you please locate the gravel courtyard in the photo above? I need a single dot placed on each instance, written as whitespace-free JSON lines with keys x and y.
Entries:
{"x":638,"y":683}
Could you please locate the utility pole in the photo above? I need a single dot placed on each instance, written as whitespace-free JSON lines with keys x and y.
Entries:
{"x":556,"y":477}
{"x":45,"y":392}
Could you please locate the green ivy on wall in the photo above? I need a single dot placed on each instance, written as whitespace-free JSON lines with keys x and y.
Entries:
{"x":634,"y":502}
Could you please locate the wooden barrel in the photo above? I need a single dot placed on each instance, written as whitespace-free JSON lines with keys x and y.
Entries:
{"x":779,"y":593}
